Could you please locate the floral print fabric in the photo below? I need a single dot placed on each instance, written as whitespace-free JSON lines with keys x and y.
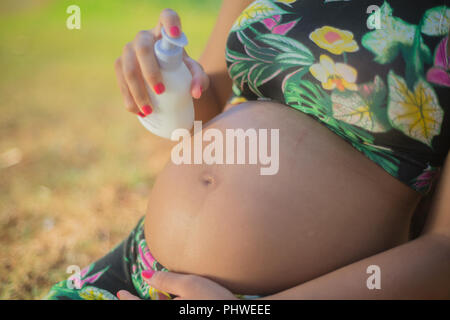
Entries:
{"x":380,"y":80}
{"x":120,"y":269}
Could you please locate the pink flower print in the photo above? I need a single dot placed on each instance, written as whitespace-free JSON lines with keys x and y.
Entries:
{"x":439,"y":73}
{"x":425,"y":180}
{"x":80,"y":280}
{"x":273,"y":24}
{"x":146,"y":258}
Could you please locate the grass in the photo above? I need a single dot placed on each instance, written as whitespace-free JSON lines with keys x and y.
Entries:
{"x":75,"y":168}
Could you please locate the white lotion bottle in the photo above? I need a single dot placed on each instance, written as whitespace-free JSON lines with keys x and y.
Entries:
{"x":174,"y":109}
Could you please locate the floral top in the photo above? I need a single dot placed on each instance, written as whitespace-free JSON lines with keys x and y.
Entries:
{"x":374,"y":72}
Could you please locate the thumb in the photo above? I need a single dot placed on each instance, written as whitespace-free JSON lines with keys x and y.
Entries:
{"x":169,"y":282}
{"x":125,"y":295}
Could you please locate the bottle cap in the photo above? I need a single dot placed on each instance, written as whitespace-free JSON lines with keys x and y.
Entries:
{"x":169,"y":51}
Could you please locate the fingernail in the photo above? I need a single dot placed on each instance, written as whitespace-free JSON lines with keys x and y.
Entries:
{"x":147,"y":274}
{"x":140,"y":114}
{"x":159,"y":88}
{"x":174,"y":31}
{"x":118,"y":294}
{"x":147,"y":110}
{"x":198,"y":92}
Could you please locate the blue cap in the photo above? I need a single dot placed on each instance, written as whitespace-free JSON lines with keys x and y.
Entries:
{"x":169,"y":51}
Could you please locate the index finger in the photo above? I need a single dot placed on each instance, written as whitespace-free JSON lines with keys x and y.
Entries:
{"x":171,"y":22}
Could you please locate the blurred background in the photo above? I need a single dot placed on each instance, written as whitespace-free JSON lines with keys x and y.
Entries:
{"x":75,"y":167}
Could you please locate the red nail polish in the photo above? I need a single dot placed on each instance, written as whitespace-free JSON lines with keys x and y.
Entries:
{"x":174,"y":31}
{"x":147,"y":110}
{"x":117,"y":294}
{"x":140,"y":114}
{"x":147,"y":274}
{"x":159,"y":88}
{"x":197,"y":93}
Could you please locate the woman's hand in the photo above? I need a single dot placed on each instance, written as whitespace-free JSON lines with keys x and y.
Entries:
{"x":185,"y":287}
{"x":138,"y":64}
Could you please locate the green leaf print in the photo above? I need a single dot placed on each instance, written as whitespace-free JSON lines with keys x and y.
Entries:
{"x":262,"y":64}
{"x":307,"y":97}
{"x":292,"y":48}
{"x":362,"y":108}
{"x":255,"y":12}
{"x":415,"y":58}
{"x":294,"y":59}
{"x":393,"y":35}
{"x":310,"y":98}
{"x":436,"y":21}
{"x":384,"y":157}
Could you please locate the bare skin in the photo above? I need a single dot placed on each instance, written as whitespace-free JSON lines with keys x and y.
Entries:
{"x":328,"y":207}
{"x":231,"y":224}
{"x":419,"y":269}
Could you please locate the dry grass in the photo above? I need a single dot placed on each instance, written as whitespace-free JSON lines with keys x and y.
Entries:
{"x":75,"y":168}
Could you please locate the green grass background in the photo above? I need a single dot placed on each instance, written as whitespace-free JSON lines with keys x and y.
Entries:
{"x":84,"y":166}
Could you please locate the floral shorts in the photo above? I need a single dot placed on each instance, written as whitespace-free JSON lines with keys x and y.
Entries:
{"x":120,"y":269}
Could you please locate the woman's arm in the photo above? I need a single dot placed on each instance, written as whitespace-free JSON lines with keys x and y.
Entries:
{"x":419,"y":269}
{"x":213,"y":62}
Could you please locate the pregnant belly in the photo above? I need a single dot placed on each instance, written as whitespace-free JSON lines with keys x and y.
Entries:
{"x":327,"y":207}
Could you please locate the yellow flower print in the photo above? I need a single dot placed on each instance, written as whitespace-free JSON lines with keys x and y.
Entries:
{"x":334,"y":40}
{"x":93,"y":293}
{"x":334,"y":75}
{"x":156,"y":294}
{"x":255,"y":12}
{"x":237,"y":100}
{"x":416,"y":113}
